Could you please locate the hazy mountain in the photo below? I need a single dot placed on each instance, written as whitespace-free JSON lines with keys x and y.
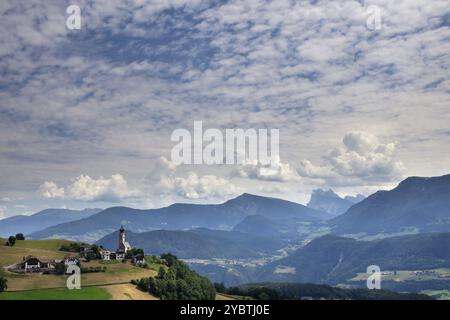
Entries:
{"x":332,"y":259}
{"x":355,"y":199}
{"x":198,"y":243}
{"x":259,"y":225}
{"x":41,"y":220}
{"x":329,"y":201}
{"x":415,"y":205}
{"x":184,"y":216}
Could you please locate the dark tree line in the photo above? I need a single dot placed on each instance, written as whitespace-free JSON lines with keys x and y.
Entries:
{"x":296,"y":291}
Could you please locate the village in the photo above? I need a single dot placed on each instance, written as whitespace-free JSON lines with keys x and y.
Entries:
{"x":79,"y":253}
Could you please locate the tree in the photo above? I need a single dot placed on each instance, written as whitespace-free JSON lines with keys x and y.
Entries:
{"x":20,"y":236}
{"x":11,"y":241}
{"x":178,"y":282}
{"x":219,"y":286}
{"x":3,"y":285}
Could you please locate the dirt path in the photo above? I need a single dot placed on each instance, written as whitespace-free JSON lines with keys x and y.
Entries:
{"x":127,"y":292}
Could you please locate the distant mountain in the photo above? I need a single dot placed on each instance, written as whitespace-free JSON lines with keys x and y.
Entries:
{"x":198,"y":243}
{"x":415,"y":205}
{"x":185,"y":216}
{"x":329,"y":201}
{"x":332,"y":259}
{"x":41,"y":220}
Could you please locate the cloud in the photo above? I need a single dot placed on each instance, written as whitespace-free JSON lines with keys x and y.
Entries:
{"x":189,"y":185}
{"x":194,"y":186}
{"x":85,"y":188}
{"x":272,"y":189}
{"x":49,"y":189}
{"x":361,"y":160}
{"x":278,"y":171}
{"x":106,"y":97}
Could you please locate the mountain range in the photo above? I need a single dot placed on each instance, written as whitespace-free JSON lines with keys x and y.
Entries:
{"x":41,"y":220}
{"x":415,"y":205}
{"x":410,"y":225}
{"x":288,"y":215}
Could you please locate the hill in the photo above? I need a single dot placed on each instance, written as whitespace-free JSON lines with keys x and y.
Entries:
{"x":116,"y":273}
{"x":41,"y":220}
{"x":184,"y":216}
{"x":415,"y":205}
{"x":199,"y":243}
{"x":331,"y":259}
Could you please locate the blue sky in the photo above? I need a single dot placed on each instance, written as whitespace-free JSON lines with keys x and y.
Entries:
{"x":86,"y":115}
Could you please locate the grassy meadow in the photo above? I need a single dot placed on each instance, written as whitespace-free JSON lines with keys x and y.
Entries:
{"x":116,"y":272}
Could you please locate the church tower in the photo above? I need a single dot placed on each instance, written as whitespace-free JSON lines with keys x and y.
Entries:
{"x":124,"y":246}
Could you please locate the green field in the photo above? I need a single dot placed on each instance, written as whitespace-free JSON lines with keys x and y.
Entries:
{"x":116,"y":271}
{"x":52,"y":244}
{"x":89,"y":293}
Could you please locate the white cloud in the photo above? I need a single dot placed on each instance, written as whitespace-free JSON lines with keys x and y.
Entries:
{"x":194,"y":186}
{"x":85,"y":188}
{"x":49,"y":189}
{"x":361,"y":160}
{"x":310,"y":68}
{"x":189,"y":185}
{"x":278,"y":171}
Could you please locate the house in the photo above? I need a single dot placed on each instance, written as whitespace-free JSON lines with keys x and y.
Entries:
{"x":105,"y":255}
{"x":30,"y":263}
{"x":48,"y":264}
{"x":138,"y":260}
{"x":85,"y":249}
{"x":70,"y":260}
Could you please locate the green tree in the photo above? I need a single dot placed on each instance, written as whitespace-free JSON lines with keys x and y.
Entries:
{"x":20,"y":236}
{"x":178,"y":282}
{"x":11,"y":241}
{"x":3,"y":285}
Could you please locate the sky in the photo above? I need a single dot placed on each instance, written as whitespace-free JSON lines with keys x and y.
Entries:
{"x":86,"y":115}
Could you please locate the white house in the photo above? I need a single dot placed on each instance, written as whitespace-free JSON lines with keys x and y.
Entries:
{"x":105,"y":255}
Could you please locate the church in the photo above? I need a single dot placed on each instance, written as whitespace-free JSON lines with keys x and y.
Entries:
{"x":122,"y":248}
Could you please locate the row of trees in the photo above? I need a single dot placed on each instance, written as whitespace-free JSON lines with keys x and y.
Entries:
{"x":12,"y":239}
{"x":177,"y":282}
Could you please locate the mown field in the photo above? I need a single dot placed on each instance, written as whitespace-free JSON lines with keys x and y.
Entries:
{"x":110,"y":292}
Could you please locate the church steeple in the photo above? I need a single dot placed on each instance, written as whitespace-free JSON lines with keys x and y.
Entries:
{"x":122,"y":229}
